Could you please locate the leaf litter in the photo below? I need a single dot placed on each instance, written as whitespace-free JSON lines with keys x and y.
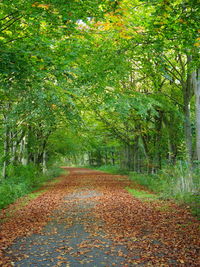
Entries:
{"x":90,"y":219}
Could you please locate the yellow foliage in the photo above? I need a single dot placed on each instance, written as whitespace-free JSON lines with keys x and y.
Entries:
{"x":139,"y":29}
{"x":197,"y":42}
{"x":34,"y":57}
{"x":8,"y":32}
{"x":106,"y":26}
{"x":168,"y":8}
{"x":45,"y":6}
{"x":125,"y":36}
{"x":54,"y":106}
{"x":165,"y":15}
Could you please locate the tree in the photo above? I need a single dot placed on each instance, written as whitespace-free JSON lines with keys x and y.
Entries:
{"x":33,"y":78}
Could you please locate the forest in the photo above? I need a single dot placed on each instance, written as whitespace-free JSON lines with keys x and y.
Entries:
{"x":112,"y":85}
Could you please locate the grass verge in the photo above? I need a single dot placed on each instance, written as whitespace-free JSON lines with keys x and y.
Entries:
{"x":23,"y":180}
{"x":168,"y":187}
{"x":167,"y":184}
{"x":143,"y":195}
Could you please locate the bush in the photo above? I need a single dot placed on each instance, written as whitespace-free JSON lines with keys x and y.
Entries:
{"x":177,"y":182}
{"x":21,"y":181}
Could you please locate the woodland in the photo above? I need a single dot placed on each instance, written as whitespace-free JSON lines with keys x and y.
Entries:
{"x":113,"y":85}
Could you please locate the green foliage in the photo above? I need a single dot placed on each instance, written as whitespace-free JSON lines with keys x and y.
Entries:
{"x":93,"y":77}
{"x":143,"y":195}
{"x":192,"y":200}
{"x":21,"y":181}
{"x":166,"y":185}
{"x":171,"y":183}
{"x":153,"y":182}
{"x":64,"y":142}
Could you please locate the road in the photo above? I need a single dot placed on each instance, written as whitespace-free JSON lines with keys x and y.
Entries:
{"x":88,"y":218}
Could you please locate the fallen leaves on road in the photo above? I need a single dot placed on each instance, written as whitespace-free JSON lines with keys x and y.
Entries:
{"x":153,"y":236}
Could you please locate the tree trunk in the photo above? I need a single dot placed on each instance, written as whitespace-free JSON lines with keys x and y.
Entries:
{"x":159,"y":139}
{"x":135,"y":155}
{"x":6,"y":150}
{"x":196,"y":80}
{"x":44,"y":164}
{"x":106,"y":157}
{"x":90,"y":158}
{"x":187,"y":92}
{"x":128,"y":158}
{"x":122,"y":158}
{"x":23,"y":152}
{"x":113,"y":157}
{"x":14,"y":151}
{"x":188,"y":133}
{"x":146,"y":153}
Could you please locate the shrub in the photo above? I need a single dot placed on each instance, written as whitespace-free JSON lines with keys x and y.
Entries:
{"x":22,"y":180}
{"x":177,"y":182}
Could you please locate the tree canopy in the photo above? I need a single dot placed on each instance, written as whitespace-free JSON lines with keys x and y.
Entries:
{"x":100,"y":82}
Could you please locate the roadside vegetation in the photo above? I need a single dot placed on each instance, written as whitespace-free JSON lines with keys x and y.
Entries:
{"x":23,"y":180}
{"x":168,"y":184}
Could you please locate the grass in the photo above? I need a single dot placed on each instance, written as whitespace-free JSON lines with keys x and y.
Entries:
{"x":23,"y":180}
{"x":24,"y":200}
{"x":167,"y":184}
{"x":143,"y":195}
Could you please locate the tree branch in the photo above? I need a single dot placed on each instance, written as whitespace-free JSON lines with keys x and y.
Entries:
{"x":7,"y":16}
{"x":174,"y":68}
{"x":16,"y":39}
{"x":10,"y":24}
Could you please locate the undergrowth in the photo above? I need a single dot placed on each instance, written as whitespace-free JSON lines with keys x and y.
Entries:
{"x":23,"y":180}
{"x":172,"y":182}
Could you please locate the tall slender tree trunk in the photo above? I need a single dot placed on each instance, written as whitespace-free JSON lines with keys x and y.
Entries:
{"x":159,"y":139}
{"x":44,"y":161}
{"x":196,"y":81}
{"x":122,"y":157}
{"x":113,"y":157}
{"x":90,"y":158}
{"x":23,"y":151}
{"x":187,"y":92}
{"x":146,"y":153}
{"x":6,"y":149}
{"x":188,"y":133}
{"x":135,"y":165}
{"x":106,"y":157}
{"x":14,"y":151}
{"x":128,"y":157}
